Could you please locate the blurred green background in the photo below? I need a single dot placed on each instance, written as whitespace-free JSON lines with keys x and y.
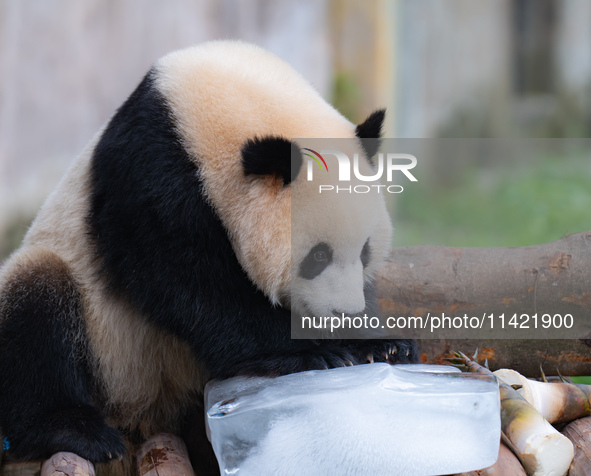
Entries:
{"x":510,"y":205}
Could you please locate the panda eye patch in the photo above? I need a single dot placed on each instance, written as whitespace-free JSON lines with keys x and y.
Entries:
{"x":365,"y":254}
{"x":318,"y":258}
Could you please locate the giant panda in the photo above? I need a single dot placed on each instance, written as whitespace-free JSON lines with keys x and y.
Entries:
{"x":163,"y":259}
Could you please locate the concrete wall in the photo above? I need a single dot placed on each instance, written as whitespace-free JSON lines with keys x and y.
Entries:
{"x":448,"y":53}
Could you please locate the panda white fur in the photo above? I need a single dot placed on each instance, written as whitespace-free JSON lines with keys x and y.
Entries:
{"x":163,"y":259}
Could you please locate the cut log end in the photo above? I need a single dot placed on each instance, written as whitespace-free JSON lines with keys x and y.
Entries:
{"x":507,"y":463}
{"x":579,"y":433}
{"x":67,"y":464}
{"x":164,"y":455}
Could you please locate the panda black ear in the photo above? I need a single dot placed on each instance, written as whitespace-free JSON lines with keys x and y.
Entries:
{"x":370,"y":130}
{"x":272,"y":156}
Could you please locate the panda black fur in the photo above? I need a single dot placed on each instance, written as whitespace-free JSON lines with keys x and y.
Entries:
{"x":134,"y":285}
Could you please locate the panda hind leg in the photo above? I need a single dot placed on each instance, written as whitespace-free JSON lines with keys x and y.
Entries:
{"x":45,"y":377}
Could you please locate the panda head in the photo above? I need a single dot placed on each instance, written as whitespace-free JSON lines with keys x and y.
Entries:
{"x":236,"y":109}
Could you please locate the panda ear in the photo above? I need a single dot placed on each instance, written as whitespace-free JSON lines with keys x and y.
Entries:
{"x":370,"y":130}
{"x":272,"y":156}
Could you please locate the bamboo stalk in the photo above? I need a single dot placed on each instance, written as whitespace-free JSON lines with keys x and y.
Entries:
{"x":556,"y":402}
{"x":542,"y":450}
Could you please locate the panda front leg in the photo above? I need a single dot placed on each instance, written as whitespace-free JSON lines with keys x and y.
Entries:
{"x":45,"y":371}
{"x":262,"y":346}
{"x":297,"y":355}
{"x":301,"y":355}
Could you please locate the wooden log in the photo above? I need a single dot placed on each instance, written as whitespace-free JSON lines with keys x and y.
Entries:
{"x":548,"y":278}
{"x":579,"y":433}
{"x":67,"y":464}
{"x":21,"y":469}
{"x":569,"y":357}
{"x":164,"y":455}
{"x":507,"y":464}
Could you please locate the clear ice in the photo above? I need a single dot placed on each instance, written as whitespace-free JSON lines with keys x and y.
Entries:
{"x":373,"y":419}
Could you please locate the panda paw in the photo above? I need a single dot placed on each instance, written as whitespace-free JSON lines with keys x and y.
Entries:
{"x":329,"y":355}
{"x":319,"y":358}
{"x":80,"y":430}
{"x":390,"y":351}
{"x":329,"y":358}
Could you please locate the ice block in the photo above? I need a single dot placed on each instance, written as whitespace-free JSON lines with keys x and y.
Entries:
{"x":373,"y":419}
